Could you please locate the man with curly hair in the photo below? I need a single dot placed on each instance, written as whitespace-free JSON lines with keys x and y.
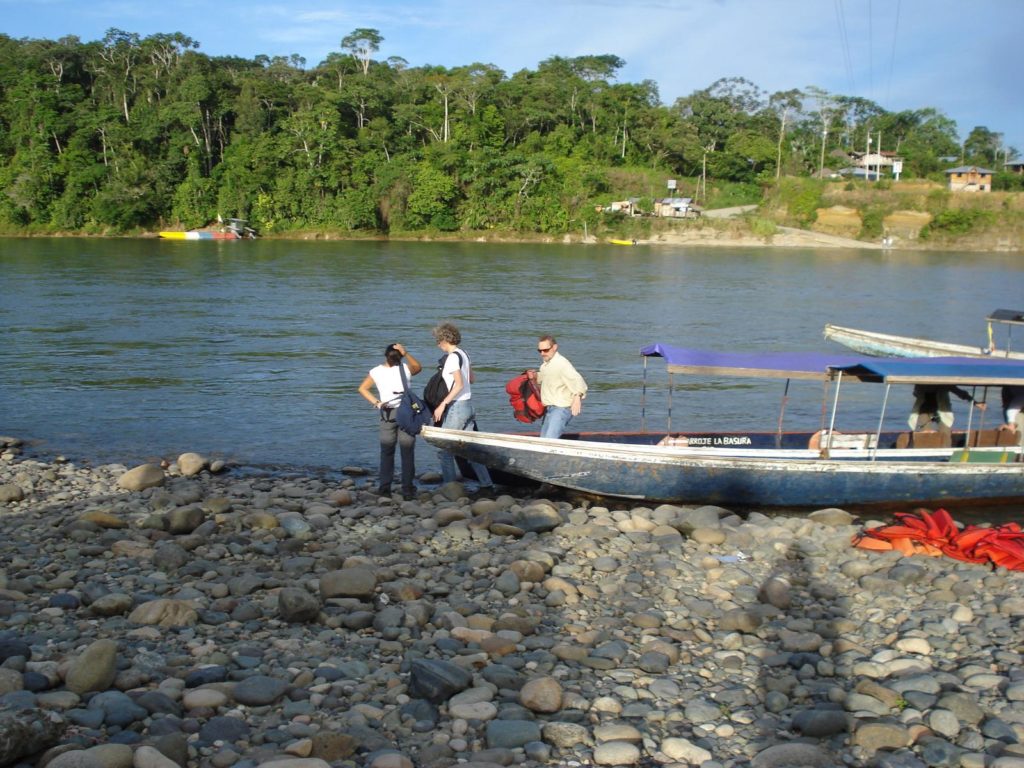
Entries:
{"x":456,"y":410}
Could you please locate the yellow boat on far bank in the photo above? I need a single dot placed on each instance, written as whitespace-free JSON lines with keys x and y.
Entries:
{"x":622,"y":242}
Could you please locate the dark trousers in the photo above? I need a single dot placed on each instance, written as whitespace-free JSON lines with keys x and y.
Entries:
{"x":390,"y":434}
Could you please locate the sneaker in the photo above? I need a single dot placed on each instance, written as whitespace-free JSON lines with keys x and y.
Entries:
{"x":484,"y":492}
{"x":384,"y":490}
{"x":408,"y":494}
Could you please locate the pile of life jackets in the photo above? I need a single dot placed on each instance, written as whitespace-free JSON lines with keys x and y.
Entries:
{"x":936,"y":533}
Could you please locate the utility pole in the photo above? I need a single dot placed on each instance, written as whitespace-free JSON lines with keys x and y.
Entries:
{"x":879,"y":152}
{"x":867,"y":155}
{"x":821,"y":163}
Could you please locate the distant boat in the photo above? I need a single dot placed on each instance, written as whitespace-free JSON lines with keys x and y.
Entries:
{"x":236,"y":229}
{"x":888,"y":345}
{"x":622,"y":242}
{"x":199,"y":234}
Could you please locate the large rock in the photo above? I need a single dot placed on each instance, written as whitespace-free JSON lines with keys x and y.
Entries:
{"x":437,"y":681}
{"x":296,"y":606}
{"x":141,"y":477}
{"x":94,"y":669}
{"x":538,"y":518}
{"x":150,"y":757}
{"x":542,"y":694}
{"x":10,"y":492}
{"x":27,"y":731}
{"x":165,"y":613}
{"x":348,"y":582}
{"x":184,"y":520}
{"x":191,"y":464}
{"x":790,"y":755}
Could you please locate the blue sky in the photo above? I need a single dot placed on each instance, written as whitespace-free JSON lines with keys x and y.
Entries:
{"x":960,"y":56}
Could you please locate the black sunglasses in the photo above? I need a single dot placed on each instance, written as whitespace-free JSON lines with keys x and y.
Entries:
{"x":544,"y":351}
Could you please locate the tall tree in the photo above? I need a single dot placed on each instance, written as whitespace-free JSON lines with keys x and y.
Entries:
{"x":361,"y":44}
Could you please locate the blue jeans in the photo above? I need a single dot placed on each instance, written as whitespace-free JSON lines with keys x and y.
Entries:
{"x":460,"y":415}
{"x":390,"y":435}
{"x":556,"y":419}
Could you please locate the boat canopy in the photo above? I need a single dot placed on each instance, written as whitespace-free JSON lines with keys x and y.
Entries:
{"x":947,"y":371}
{"x":781,"y":365}
{"x":967,"y":371}
{"x":1008,"y":316}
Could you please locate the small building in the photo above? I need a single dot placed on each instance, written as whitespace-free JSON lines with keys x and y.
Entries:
{"x":969,"y":178}
{"x":875,"y":160}
{"x":1014,"y":166}
{"x":628,"y":207}
{"x":860,"y":174}
{"x":676,"y":208}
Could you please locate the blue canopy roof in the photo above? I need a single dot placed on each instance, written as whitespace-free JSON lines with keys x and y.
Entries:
{"x":977,"y":371}
{"x":815,"y":365}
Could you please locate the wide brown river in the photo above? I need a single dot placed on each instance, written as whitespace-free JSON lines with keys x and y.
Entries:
{"x":126,"y":350}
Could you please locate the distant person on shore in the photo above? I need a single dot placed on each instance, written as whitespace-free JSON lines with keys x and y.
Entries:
{"x":562,"y":389}
{"x":932,"y":411}
{"x":387,"y":378}
{"x":456,"y":410}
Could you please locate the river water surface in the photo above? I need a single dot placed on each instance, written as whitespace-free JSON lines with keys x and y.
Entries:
{"x":127,"y":350}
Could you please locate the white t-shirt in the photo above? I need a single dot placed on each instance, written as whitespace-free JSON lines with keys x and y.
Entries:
{"x":388,"y":381}
{"x":451,"y":364}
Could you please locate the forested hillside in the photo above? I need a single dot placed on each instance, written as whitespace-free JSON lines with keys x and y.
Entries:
{"x":132,"y":133}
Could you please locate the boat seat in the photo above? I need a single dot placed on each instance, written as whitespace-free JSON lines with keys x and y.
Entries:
{"x":1007,"y":438}
{"x":930,"y":439}
{"x":984,"y":438}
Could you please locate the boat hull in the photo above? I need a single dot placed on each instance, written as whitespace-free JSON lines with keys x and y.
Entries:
{"x":195,"y":235}
{"x":753,"y":479}
{"x":888,"y":345}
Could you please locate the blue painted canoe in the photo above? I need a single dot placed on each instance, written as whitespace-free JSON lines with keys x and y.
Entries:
{"x":731,"y":477}
{"x":783,"y":470}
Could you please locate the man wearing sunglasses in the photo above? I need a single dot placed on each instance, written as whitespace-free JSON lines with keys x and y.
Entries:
{"x":562,"y":389}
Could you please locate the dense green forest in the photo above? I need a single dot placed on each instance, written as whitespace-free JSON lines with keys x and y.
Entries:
{"x":132,"y":133}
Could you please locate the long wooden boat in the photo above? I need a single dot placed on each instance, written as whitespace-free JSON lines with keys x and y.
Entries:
{"x":873,"y":343}
{"x":878,"y":469}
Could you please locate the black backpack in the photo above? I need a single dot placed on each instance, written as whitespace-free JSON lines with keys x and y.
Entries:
{"x":437,"y":388}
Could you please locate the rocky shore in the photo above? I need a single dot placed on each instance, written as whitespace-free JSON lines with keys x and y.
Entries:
{"x":179,"y":616}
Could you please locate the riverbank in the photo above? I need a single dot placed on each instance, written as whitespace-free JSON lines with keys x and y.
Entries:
{"x":178,"y":616}
{"x":780,"y":237}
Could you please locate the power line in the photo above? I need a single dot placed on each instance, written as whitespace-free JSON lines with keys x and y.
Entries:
{"x":844,"y":40}
{"x":871,"y":52}
{"x":892,"y":54}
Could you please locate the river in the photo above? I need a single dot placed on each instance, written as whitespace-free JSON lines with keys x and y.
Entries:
{"x":127,"y":350}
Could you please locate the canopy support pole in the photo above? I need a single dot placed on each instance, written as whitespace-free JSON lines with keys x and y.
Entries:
{"x":832,"y":420}
{"x":671,"y":386}
{"x":881,"y":420}
{"x":643,"y":399}
{"x":782,"y":412}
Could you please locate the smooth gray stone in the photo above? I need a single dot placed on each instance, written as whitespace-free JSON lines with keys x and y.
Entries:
{"x":509,"y":734}
{"x":221,"y":728}
{"x":437,"y":681}
{"x":259,"y":690}
{"x":820,"y":722}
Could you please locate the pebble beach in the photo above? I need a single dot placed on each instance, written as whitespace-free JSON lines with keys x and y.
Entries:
{"x":190,"y":615}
